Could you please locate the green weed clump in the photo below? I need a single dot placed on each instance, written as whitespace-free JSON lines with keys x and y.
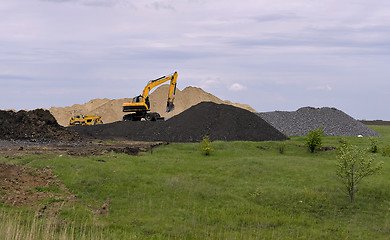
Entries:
{"x":313,"y":139}
{"x":374,"y":145}
{"x":206,"y":146}
{"x":386,"y":151}
{"x":282,"y":147}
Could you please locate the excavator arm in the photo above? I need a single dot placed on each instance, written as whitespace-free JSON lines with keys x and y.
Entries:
{"x":172,"y":93}
{"x":172,"y":89}
{"x":154,"y":83}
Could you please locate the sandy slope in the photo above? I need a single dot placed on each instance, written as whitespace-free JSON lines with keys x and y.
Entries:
{"x":111,"y":110}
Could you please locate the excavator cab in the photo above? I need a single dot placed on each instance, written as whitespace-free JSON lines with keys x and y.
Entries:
{"x":137,"y":99}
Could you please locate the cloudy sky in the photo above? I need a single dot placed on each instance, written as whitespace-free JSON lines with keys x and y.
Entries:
{"x":270,"y":54}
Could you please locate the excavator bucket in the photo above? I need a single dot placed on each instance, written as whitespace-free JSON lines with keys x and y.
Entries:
{"x":170,"y":107}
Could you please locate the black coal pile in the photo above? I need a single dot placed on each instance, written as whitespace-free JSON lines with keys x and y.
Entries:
{"x":218,"y":121}
{"x":37,"y":124}
{"x":304,"y":120}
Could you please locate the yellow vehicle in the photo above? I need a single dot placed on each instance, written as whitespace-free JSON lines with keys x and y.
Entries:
{"x":140,"y":106}
{"x":85,"y":120}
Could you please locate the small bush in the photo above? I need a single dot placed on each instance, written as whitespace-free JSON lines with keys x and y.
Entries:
{"x":206,"y":146}
{"x":282,"y":147}
{"x":343,"y":140}
{"x":386,"y":151}
{"x":314,"y":139}
{"x":374,"y":145}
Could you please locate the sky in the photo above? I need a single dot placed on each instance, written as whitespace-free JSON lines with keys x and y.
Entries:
{"x":273,"y":55}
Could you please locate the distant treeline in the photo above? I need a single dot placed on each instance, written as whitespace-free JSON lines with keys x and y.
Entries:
{"x":375,"y":122}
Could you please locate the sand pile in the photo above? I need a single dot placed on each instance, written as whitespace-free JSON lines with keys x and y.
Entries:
{"x":38,"y":124}
{"x":111,"y":110}
{"x":304,"y":120}
{"x":219,"y":121}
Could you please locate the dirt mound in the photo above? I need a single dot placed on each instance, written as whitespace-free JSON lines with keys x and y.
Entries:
{"x":304,"y":120}
{"x":111,"y":110}
{"x":219,"y":121}
{"x":38,"y":124}
{"x":21,"y":186}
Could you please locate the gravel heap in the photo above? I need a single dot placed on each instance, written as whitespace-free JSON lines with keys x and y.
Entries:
{"x":304,"y":120}
{"x":38,"y":124}
{"x":218,"y":121}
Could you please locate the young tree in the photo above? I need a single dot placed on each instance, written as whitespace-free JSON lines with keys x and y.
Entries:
{"x":206,"y":146}
{"x":314,"y":139}
{"x":353,"y":165}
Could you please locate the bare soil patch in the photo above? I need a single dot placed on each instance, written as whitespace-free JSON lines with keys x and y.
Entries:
{"x":23,"y":186}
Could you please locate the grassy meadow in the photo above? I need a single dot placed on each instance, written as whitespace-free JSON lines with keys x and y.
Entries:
{"x":243,"y":190}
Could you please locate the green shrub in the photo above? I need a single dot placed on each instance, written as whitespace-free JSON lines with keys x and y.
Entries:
{"x":374,"y":145}
{"x":206,"y":146}
{"x":313,"y":139}
{"x":386,"y":151}
{"x":343,"y":140}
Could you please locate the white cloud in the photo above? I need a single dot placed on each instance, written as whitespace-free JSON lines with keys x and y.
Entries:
{"x":325,"y":87}
{"x":97,"y":3}
{"x":209,"y":83}
{"x":236,"y":87}
{"x":158,"y":5}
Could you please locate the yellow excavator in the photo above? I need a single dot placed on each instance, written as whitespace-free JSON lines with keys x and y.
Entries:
{"x":140,"y":106}
{"x":85,"y":120}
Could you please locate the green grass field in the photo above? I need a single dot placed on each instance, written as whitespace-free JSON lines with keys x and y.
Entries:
{"x":243,"y":190}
